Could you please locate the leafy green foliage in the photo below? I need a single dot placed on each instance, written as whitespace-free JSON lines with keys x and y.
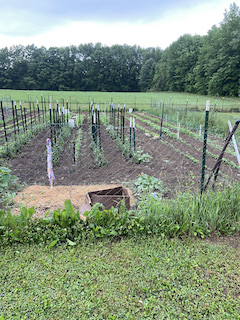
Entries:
{"x":113,"y":222}
{"x":11,"y":148}
{"x":146,"y":184}
{"x":137,"y":156}
{"x":98,"y":155}
{"x":186,"y":215}
{"x":8,"y":186}
{"x":62,"y":136}
{"x":191,"y":214}
{"x":64,"y":218}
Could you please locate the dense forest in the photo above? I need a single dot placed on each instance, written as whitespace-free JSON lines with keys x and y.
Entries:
{"x":207,"y":64}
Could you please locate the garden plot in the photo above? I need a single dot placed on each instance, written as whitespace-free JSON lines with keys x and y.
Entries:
{"x":190,"y":145}
{"x":79,"y":160}
{"x":18,"y":125}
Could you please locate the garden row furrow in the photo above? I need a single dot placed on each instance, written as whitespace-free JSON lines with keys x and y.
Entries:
{"x":189,"y":141}
{"x":23,"y":125}
{"x":212,"y":140}
{"x":12,"y":147}
{"x":180,"y":149}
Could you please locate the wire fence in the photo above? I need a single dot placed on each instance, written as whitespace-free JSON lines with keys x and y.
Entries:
{"x":94,"y":150}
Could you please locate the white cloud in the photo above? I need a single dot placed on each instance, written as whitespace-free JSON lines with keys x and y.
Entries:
{"x":162,"y":33}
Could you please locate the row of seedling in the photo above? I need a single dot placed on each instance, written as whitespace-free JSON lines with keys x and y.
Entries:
{"x":61,"y":126}
{"x":117,"y":119}
{"x":22,"y":126}
{"x":58,"y":115}
{"x":128,"y":144}
{"x":197,"y":135}
{"x":182,"y":152}
{"x":96,"y":145}
{"x":22,"y":118}
{"x":77,"y":140}
{"x":172,"y":135}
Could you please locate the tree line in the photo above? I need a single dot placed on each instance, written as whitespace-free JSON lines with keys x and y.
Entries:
{"x":207,"y":64}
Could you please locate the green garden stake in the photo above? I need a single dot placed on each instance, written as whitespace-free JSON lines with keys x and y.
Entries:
{"x":123,"y":125}
{"x":38,"y":112}
{"x":15,"y":105}
{"x":134,"y":136}
{"x":94,"y":128}
{"x":99,"y":128}
{"x":4,"y":125}
{"x":30,"y":110}
{"x":205,"y":145}
{"x":161,"y":124}
{"x":121,"y":112}
{"x":51,"y":125}
{"x":92,"y":111}
{"x":14,"y":124}
{"x":74,"y":151}
{"x":34,"y":113}
{"x":63,"y":113}
{"x":45,"y":110}
{"x":42,"y":107}
{"x":67,"y":110}
{"x":112,"y":115}
{"x":25,"y":116}
{"x":21,"y":110}
{"x":118,"y":120}
{"x":54,"y":120}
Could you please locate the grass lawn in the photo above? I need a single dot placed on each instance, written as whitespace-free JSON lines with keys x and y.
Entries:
{"x":134,"y":278}
{"x":142,"y":100}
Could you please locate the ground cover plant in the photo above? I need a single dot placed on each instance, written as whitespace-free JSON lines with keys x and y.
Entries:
{"x":8,"y":186}
{"x":134,"y":278}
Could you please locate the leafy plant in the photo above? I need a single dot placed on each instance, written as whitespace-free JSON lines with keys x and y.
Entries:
{"x":63,"y":134}
{"x":64,"y":218}
{"x":78,"y":144}
{"x":11,"y":148}
{"x":148,"y":184}
{"x":137,"y":156}
{"x":99,"y":157}
{"x":8,"y":185}
{"x":112,"y":222}
{"x":13,"y":226}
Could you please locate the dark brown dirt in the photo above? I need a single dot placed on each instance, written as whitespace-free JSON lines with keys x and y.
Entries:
{"x":173,"y":168}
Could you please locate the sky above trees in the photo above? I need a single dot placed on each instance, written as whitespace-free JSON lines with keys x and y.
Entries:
{"x":150,"y":23}
{"x":196,"y":64}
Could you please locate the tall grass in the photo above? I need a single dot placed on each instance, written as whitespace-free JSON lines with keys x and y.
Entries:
{"x":190,"y":214}
{"x":216,"y":213}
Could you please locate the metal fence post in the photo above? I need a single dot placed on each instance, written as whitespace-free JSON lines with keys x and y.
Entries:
{"x":205,"y":145}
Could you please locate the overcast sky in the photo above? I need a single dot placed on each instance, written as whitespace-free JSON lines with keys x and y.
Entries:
{"x":147,"y":23}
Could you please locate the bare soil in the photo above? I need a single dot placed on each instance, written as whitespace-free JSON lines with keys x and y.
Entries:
{"x":44,"y":198}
